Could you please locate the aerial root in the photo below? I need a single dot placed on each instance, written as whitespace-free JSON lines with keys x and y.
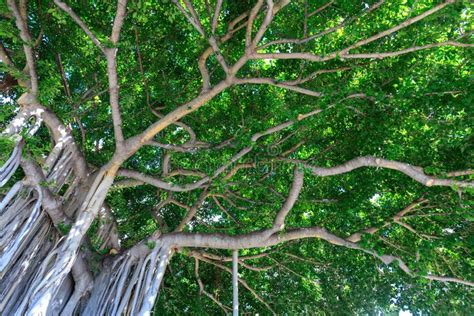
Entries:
{"x":10,"y":166}
{"x":131,"y":285}
{"x":13,"y":131}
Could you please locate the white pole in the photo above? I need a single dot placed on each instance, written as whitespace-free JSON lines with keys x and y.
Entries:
{"x":235,"y":283}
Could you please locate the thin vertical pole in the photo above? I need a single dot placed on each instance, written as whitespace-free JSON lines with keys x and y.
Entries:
{"x":235,"y":283}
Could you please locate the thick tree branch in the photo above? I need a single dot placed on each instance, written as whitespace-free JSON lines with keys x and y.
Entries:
{"x":111,"y":57}
{"x":118,"y":21}
{"x":114,"y":94}
{"x":414,"y":172}
{"x":25,"y":36}
{"x":262,"y":239}
{"x":215,"y":18}
{"x":279,"y":222}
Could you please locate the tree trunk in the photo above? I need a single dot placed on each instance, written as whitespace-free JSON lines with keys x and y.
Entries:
{"x":46,"y":288}
{"x":29,"y":212}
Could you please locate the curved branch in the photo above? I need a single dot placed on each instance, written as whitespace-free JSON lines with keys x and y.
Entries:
{"x":216,"y":16}
{"x":110,"y":55}
{"x":261,"y":239}
{"x":414,"y":172}
{"x":5,"y":58}
{"x":448,"y":279}
{"x":252,"y":15}
{"x":181,"y":188}
{"x":324,"y":6}
{"x":279,"y":222}
{"x":185,"y":148}
{"x":266,"y":22}
{"x":11,"y":165}
{"x":460,"y":173}
{"x":345,"y":55}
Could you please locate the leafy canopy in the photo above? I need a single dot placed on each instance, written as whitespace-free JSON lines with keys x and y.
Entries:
{"x":417,"y":108}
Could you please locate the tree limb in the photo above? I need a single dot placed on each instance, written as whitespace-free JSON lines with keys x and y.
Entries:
{"x":216,"y":16}
{"x":63,"y":6}
{"x":25,"y":36}
{"x":414,"y":172}
{"x":118,"y":21}
{"x":263,"y":239}
{"x":279,"y":222}
{"x":192,"y":19}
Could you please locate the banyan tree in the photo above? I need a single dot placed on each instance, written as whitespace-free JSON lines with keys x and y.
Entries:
{"x":144,"y":144}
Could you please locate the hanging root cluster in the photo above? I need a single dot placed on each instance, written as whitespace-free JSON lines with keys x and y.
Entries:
{"x":22,"y":119}
{"x":27,"y":234}
{"x":131,"y":284}
{"x":36,"y":212}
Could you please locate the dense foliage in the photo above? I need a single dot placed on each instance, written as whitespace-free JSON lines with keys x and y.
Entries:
{"x":414,"y":107}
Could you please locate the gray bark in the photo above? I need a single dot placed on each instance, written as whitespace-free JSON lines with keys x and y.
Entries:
{"x":132,"y":282}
